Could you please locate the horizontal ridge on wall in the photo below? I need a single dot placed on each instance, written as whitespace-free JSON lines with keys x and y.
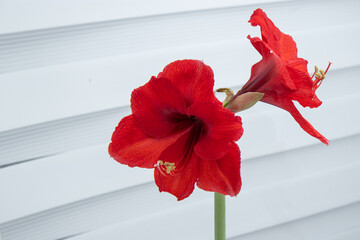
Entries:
{"x":339,"y":223}
{"x":289,"y":174}
{"x":55,"y":92}
{"x":36,"y":141}
{"x":85,"y":130}
{"x":95,"y":11}
{"x":33,"y":49}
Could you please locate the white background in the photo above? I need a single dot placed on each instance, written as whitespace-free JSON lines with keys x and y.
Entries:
{"x":66,"y":73}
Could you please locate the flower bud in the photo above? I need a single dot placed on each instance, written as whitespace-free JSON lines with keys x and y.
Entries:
{"x":244,"y":101}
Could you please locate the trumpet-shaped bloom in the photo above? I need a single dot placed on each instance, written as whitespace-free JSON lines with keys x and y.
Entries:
{"x":281,"y":75}
{"x":180,"y":129}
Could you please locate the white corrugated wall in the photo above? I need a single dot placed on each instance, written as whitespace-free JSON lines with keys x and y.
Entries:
{"x":67,"y":69}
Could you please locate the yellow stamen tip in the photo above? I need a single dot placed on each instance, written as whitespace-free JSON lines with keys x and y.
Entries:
{"x":318,"y":75}
{"x":167,"y":166}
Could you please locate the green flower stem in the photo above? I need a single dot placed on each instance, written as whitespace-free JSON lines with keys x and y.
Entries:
{"x":219,"y":207}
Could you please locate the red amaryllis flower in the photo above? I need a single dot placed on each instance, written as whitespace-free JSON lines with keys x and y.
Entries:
{"x":281,"y":75}
{"x":178,"y":127}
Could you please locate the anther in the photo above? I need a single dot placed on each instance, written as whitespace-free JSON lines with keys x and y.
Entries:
{"x":169,"y":167}
{"x":316,"y":69}
{"x":319,"y":76}
{"x":165,"y":167}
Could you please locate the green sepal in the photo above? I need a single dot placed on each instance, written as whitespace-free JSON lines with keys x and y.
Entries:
{"x":244,"y":101}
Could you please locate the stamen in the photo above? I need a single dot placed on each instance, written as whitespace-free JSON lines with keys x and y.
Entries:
{"x":319,"y":76}
{"x":169,"y":167}
{"x":316,"y":69}
{"x":165,"y":167}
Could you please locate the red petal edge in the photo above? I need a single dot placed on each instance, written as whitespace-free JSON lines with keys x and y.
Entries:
{"x":193,"y":78}
{"x":222,"y":175}
{"x":129,"y":145}
{"x":304,"y":124}
{"x":282,"y":44}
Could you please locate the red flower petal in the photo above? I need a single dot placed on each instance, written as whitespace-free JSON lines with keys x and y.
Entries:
{"x":282,"y":44}
{"x":156,"y":106}
{"x":223,"y":175}
{"x":129,"y":145}
{"x":297,"y":69}
{"x":270,"y":74}
{"x":181,"y":180}
{"x":221,"y":127}
{"x":193,"y":78}
{"x":304,"y":124}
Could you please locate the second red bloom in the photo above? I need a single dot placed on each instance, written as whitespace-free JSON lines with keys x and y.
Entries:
{"x":281,"y":75}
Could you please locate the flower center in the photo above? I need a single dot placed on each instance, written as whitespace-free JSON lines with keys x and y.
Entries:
{"x":185,"y":144}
